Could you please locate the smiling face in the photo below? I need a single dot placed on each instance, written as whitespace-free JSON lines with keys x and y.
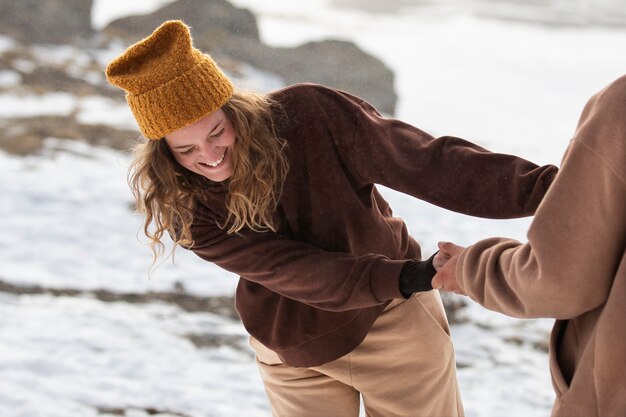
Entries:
{"x":206,"y":146}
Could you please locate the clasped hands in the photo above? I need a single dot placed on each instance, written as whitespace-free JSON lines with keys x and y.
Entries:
{"x":445,"y":262}
{"x":438,"y":271}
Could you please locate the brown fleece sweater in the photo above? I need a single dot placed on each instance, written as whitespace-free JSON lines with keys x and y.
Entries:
{"x":311,"y":291}
{"x":573,"y":266}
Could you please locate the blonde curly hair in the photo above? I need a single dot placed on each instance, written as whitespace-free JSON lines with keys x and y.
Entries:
{"x":165,"y":192}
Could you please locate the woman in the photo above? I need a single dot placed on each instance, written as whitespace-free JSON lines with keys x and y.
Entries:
{"x":572,"y":268}
{"x":279,"y":189}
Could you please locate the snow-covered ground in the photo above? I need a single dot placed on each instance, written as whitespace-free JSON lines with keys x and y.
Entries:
{"x":66,"y":222}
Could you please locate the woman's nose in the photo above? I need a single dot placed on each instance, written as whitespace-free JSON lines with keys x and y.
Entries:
{"x":209,"y":150}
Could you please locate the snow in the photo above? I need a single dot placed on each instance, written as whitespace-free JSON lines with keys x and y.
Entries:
{"x":66,"y":219}
{"x":70,"y":206}
{"x":89,"y":109}
{"x":50,"y":104}
{"x":6,"y":44}
{"x":24,"y":65}
{"x":66,"y":356}
{"x":103,"y":110}
{"x":9,"y":78}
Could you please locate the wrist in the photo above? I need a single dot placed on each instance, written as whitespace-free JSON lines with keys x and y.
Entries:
{"x":416,"y":276}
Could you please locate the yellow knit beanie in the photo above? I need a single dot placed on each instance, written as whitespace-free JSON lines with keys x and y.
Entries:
{"x":169,"y":84}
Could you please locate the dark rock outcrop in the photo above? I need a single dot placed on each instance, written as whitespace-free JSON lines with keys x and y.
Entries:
{"x":46,"y":21}
{"x":26,"y":135}
{"x":211,"y":21}
{"x":227,"y":32}
{"x":334,"y":63}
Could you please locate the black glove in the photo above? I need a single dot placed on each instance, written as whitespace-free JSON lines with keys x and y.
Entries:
{"x":416,"y":276}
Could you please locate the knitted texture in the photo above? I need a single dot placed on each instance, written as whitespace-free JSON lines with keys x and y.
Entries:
{"x":169,"y":84}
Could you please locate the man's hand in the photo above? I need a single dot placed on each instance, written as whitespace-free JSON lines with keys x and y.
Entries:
{"x":440,"y":259}
{"x":445,"y":262}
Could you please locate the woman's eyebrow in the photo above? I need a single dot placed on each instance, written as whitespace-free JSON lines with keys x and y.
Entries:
{"x":211,"y":132}
{"x":217,"y":127}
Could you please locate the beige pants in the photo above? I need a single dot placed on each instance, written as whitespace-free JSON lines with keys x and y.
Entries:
{"x":405,"y":367}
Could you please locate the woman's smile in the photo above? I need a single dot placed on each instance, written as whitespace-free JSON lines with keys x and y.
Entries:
{"x":204,"y":147}
{"x":216,"y":163}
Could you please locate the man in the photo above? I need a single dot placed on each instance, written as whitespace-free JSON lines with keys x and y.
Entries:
{"x":573,"y":267}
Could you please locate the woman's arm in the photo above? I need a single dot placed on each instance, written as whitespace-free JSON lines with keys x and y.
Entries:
{"x":449,"y":172}
{"x":333,"y":281}
{"x":578,"y":236}
{"x":574,"y":246}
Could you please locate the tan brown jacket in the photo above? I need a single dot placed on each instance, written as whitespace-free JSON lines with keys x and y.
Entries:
{"x":573,"y":267}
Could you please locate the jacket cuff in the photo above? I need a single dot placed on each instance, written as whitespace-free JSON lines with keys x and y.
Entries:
{"x":386,"y":279}
{"x":459,"y":269}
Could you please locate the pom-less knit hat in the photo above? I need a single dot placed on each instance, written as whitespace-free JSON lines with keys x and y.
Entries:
{"x":169,"y":84}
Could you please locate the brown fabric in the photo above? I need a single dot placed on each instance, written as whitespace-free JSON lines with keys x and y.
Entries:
{"x":405,"y":367}
{"x":169,"y":84}
{"x":312,"y":291}
{"x":573,"y":266}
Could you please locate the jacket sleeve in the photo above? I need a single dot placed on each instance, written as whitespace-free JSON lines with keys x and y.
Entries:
{"x":449,"y":172}
{"x":283,"y":265}
{"x":578,"y":236}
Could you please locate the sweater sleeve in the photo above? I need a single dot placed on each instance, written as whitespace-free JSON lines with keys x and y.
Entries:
{"x":283,"y":265}
{"x":449,"y":172}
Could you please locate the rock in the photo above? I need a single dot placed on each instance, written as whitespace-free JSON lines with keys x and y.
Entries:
{"x":26,"y":135}
{"x":211,"y":21}
{"x":455,"y":307}
{"x":227,"y":32}
{"x":46,"y":21}
{"x":334,"y":63}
